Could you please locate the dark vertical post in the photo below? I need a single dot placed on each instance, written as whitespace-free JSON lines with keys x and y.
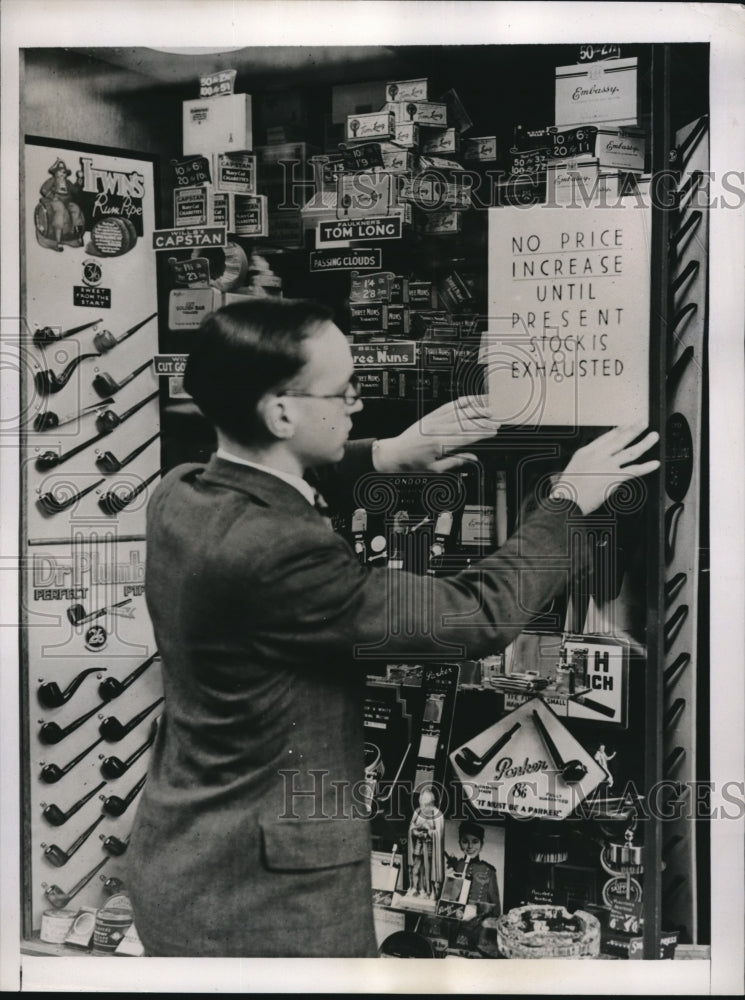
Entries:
{"x":661,"y":191}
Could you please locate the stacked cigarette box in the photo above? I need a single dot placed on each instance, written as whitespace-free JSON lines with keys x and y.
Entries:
{"x":217,"y":133}
{"x":414,"y":141}
{"x":594,"y":152}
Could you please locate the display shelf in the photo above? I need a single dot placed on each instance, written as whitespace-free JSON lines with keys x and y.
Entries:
{"x":640,"y":579}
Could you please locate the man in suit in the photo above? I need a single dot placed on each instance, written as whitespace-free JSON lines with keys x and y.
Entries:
{"x":250,"y":837}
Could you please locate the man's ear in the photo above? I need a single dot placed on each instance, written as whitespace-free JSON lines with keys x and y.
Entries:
{"x":274,"y":413}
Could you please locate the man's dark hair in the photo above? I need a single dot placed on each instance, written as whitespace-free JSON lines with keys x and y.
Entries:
{"x":244,"y":350}
{"x":469,"y":828}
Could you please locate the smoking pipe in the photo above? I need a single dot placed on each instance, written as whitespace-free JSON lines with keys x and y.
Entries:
{"x":50,"y":733}
{"x":76,"y":612}
{"x":105,"y":340}
{"x":48,"y":335}
{"x":107,"y":385}
{"x":114,"y":503}
{"x":57,"y":857}
{"x":111,"y":688}
{"x":113,"y":767}
{"x":108,"y":462}
{"x":111,"y":885}
{"x":50,"y":773}
{"x":113,"y":730}
{"x":112,"y":845}
{"x":49,"y":459}
{"x":467,"y":760}
{"x":107,"y":421}
{"x":52,"y":696}
{"x":48,"y":420}
{"x":114,"y":805}
{"x":596,"y":706}
{"x":59,"y":899}
{"x":51,"y":504}
{"x":571,"y":771}
{"x":54,"y":815}
{"x":48,"y":381}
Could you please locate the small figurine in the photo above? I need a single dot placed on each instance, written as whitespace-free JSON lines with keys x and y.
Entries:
{"x":426,"y":852}
{"x":603,"y":758}
{"x":59,"y":220}
{"x":483,"y":875}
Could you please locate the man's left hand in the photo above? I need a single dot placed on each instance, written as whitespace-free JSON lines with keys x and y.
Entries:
{"x":434,"y":443}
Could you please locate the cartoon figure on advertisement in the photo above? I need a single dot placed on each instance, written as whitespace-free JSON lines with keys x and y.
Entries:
{"x":59,"y":219}
{"x":426,"y":847}
{"x":603,"y":758}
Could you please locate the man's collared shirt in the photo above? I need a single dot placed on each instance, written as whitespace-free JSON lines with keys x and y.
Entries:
{"x":296,"y":481}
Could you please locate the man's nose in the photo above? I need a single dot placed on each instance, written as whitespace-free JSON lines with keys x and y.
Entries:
{"x":357,"y":406}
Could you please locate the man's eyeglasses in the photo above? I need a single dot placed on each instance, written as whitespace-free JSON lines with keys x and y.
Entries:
{"x":350,"y":395}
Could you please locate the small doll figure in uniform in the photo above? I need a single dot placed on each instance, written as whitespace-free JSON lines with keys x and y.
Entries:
{"x":484,"y":891}
{"x":426,"y":852}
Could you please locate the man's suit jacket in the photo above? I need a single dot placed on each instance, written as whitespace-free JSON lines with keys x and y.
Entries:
{"x":249,"y":837}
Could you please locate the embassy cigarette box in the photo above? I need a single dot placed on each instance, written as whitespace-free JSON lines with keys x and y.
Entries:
{"x":620,"y":149}
{"x":217,"y":124}
{"x":376,"y":125}
{"x":234,"y":172}
{"x":191,"y":206}
{"x":579,"y":184}
{"x":599,"y":92}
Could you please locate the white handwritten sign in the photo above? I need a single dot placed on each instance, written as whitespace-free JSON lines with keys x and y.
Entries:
{"x":567,"y":341}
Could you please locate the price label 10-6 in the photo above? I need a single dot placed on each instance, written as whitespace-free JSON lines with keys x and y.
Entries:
{"x":573,"y":142}
{"x":192,"y":172}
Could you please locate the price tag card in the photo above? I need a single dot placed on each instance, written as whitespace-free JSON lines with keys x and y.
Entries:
{"x":573,"y":141}
{"x":371,"y":287}
{"x":362,"y":157}
{"x":217,"y":84}
{"x":192,"y":273}
{"x":593,"y":53}
{"x":529,"y":161}
{"x":192,"y":172}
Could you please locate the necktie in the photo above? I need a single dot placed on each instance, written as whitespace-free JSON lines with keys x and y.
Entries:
{"x":322,"y":507}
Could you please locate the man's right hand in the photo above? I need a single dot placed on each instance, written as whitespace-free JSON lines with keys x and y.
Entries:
{"x":597,"y":470}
